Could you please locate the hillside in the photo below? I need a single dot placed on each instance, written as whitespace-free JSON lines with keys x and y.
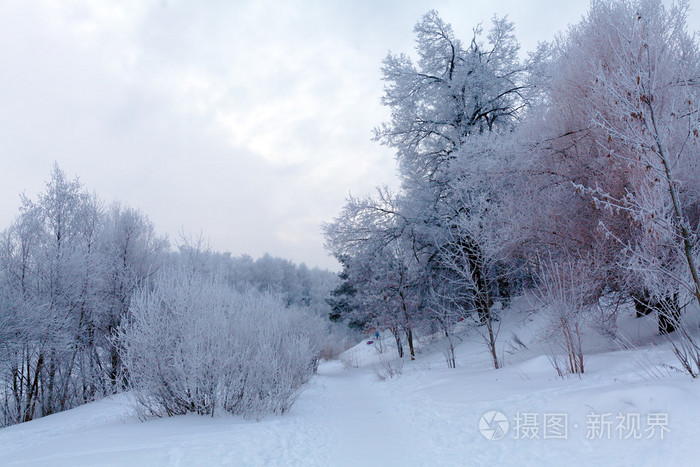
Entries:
{"x":631,"y":407}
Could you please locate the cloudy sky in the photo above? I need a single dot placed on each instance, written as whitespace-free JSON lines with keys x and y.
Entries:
{"x":247,"y":121}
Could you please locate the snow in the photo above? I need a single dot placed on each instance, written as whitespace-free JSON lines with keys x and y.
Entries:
{"x":428,"y":415}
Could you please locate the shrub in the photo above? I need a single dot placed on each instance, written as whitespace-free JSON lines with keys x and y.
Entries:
{"x":194,"y":345}
{"x":564,"y":289}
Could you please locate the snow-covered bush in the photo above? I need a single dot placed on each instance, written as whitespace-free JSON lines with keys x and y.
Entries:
{"x":388,"y":368}
{"x":350,"y":359}
{"x":193,"y":344}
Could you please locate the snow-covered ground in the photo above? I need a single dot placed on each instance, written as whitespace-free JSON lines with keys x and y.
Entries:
{"x":615,"y":414}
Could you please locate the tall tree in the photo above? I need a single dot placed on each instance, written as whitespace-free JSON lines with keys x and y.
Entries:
{"x":618,"y":151}
{"x":452,"y":92}
{"x":132,"y":253}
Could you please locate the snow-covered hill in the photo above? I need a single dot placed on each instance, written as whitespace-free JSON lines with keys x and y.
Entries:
{"x":630,"y":408}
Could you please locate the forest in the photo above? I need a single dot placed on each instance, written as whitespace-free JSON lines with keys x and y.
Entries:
{"x":93,"y":301}
{"x":571,"y":172}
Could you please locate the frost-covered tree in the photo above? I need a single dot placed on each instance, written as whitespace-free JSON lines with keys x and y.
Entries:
{"x":343,"y":299}
{"x":647,"y":100}
{"x":441,"y":106}
{"x":132,"y":253}
{"x":53,"y":273}
{"x":617,"y":152}
{"x":381,"y":265}
{"x":450,"y":93}
{"x":22,"y":322}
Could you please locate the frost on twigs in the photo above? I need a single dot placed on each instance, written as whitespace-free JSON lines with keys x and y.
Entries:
{"x":194,"y":345}
{"x":350,"y":360}
{"x":388,"y":368}
{"x":563,"y":289}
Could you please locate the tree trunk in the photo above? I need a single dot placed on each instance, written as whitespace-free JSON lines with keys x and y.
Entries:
{"x":397,"y":336}
{"x":679,"y":219}
{"x":114,"y":370}
{"x":409,"y":338}
{"x":667,"y":310}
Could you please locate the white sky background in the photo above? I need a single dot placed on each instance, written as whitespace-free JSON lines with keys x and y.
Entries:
{"x":247,"y":121}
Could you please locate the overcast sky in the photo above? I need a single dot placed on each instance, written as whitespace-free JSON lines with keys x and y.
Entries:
{"x":248,"y":121}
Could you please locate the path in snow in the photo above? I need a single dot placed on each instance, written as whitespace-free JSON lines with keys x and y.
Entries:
{"x":341,"y":419}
